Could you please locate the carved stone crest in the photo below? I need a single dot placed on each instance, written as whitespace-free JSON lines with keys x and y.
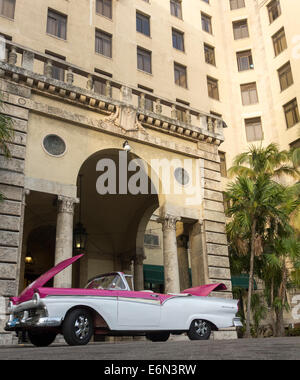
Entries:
{"x":125,"y":118}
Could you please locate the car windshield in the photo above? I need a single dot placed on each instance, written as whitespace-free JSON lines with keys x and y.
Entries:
{"x":107,"y":282}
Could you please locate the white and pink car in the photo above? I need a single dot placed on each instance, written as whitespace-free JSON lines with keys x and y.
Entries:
{"x":109,"y":306}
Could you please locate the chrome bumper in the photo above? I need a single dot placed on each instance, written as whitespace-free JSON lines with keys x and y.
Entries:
{"x":32,"y":323}
{"x":237,"y":322}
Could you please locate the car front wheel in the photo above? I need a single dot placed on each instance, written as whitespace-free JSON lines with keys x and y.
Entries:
{"x":78,"y":327}
{"x":41,"y":339}
{"x":199,"y":330}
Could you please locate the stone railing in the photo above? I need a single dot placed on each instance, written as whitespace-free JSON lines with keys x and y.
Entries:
{"x":36,"y":70}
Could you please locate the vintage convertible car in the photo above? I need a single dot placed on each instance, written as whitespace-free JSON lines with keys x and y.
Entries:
{"x":109,"y":306}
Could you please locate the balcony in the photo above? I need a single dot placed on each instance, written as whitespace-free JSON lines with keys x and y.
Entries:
{"x":36,"y":70}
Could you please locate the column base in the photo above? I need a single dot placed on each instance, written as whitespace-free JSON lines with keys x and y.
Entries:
{"x":224,"y":334}
{"x":8,"y":339}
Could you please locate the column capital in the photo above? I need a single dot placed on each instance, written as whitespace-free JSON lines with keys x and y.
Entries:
{"x":169,"y":221}
{"x":139,"y":259}
{"x":66,"y":204}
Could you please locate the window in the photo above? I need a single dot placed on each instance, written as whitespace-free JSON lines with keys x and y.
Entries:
{"x":206,"y":23}
{"x":57,"y":72}
{"x":274,"y":10}
{"x":236,"y":4}
{"x":144,"y":60}
{"x":104,"y":7}
{"x":291,"y":113}
{"x":176,"y":9}
{"x":254,"y":130}
{"x":244,"y":60}
{"x":213,"y":88}
{"x":223,"y":165}
{"x":279,"y":41}
{"x":240,"y":29}
{"x":57,"y":24}
{"x":180,"y":75}
{"x":209,"y":52}
{"x":285,"y":76}
{"x":7,"y":8}
{"x":249,"y":94}
{"x":151,"y":240}
{"x":103,"y":43}
{"x":143,"y":24}
{"x":178,"y":40}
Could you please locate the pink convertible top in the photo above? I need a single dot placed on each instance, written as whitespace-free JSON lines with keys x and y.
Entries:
{"x":205,"y":290}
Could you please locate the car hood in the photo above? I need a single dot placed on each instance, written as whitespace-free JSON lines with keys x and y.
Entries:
{"x":28,"y":293}
{"x":205,"y":290}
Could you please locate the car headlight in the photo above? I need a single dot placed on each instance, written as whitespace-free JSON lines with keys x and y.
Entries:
{"x":36,"y":298}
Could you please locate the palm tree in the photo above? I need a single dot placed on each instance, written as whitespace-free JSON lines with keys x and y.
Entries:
{"x":253,"y":205}
{"x":269,"y":161}
{"x":6,"y":134}
{"x":255,"y":198}
{"x":286,"y":252}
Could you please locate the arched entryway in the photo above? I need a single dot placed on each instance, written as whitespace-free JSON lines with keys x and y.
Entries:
{"x":115,"y":222}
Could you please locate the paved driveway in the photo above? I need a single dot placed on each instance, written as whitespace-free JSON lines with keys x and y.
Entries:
{"x":274,"y":349}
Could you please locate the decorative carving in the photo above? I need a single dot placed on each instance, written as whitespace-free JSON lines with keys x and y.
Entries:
{"x":169,"y":222}
{"x":12,"y":56}
{"x":66,"y":204}
{"x":124,"y":118}
{"x":139,"y":259}
{"x":70,"y":76}
{"x":90,"y":82}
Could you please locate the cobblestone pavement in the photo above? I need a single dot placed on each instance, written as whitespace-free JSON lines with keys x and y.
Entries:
{"x":251,"y":349}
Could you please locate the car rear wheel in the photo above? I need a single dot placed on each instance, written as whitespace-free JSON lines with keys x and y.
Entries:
{"x":199,"y":330}
{"x":162,"y":336}
{"x":78,"y":327}
{"x":41,"y":339}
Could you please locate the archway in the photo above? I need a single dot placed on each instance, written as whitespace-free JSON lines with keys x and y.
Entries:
{"x":114,"y":221}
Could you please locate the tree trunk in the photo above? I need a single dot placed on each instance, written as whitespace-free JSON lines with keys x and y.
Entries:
{"x":272,"y":309}
{"x":279,"y":315}
{"x":251,"y":279}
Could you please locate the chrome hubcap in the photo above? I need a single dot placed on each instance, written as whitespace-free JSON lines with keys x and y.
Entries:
{"x":82,"y":327}
{"x":201,"y":327}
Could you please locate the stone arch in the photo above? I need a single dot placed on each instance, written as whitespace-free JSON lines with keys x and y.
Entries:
{"x":114,"y":222}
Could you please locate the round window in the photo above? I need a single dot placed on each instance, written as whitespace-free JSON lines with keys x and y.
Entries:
{"x":182,"y":176}
{"x":54,"y":145}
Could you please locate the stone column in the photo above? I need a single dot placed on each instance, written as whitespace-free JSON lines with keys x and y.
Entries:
{"x":183,"y":261}
{"x":139,"y":272}
{"x":172,"y":284}
{"x":126,"y":265}
{"x":64,"y":239}
{"x":22,"y":245}
{"x":198,"y":256}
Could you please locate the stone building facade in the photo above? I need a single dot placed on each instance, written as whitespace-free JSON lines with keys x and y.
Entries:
{"x":81,"y":78}
{"x":40,"y":188}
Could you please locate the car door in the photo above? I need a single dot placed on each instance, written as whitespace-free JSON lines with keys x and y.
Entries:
{"x":139,"y":311}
